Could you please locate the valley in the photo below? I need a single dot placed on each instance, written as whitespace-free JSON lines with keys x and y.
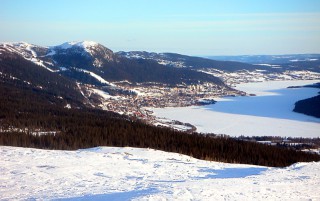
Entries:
{"x":133,"y":83}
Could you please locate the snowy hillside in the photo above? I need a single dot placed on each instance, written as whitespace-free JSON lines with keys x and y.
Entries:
{"x":109,"y":173}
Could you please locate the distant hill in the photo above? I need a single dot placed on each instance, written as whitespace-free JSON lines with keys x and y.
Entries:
{"x":269,"y":59}
{"x":309,"y":62}
{"x":266,"y":63}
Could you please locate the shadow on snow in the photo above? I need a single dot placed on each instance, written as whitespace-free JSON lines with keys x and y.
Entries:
{"x":117,"y":196}
{"x":228,"y":173}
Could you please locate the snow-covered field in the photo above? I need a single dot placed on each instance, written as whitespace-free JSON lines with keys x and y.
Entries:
{"x":110,"y":173}
{"x":269,"y":113}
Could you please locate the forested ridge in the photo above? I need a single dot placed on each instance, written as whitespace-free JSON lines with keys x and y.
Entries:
{"x":191,"y":61}
{"x":309,"y":106}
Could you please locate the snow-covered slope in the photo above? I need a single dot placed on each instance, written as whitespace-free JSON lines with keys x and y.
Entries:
{"x":28,"y":51}
{"x":109,"y":173}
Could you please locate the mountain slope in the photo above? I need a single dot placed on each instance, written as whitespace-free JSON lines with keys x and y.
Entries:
{"x":22,"y":78}
{"x":150,"y":71}
{"x":298,"y":62}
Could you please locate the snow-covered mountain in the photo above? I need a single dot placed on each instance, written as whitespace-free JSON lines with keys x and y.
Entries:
{"x":75,"y":58}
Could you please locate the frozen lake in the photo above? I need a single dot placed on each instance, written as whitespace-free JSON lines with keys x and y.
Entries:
{"x":267,"y":114}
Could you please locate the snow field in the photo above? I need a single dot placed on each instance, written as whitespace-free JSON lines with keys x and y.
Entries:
{"x":111,"y":173}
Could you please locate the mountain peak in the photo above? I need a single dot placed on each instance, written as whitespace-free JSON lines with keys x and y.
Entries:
{"x":83,"y":44}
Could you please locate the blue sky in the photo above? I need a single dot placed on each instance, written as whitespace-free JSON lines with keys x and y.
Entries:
{"x":193,"y":27}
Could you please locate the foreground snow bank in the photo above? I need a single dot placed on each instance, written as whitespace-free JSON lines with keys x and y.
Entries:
{"x":110,"y":173}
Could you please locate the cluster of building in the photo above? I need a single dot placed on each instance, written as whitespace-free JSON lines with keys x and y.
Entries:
{"x":158,"y":96}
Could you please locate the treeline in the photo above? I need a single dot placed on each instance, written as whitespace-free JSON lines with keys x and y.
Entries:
{"x":297,"y":143}
{"x":96,"y":130}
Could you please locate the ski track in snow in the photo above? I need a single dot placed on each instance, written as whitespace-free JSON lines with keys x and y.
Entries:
{"x":110,"y":173}
{"x":97,"y":77}
{"x":34,"y":54}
